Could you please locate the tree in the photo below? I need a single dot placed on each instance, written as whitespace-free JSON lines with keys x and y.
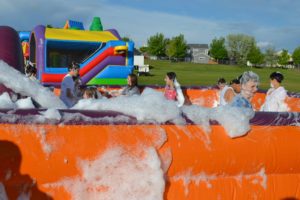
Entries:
{"x":238,"y":47}
{"x":143,"y":49}
{"x":296,"y":56}
{"x":177,"y":47}
{"x":271,"y":58}
{"x":218,"y":50}
{"x":284,"y":57}
{"x":255,"y":56}
{"x":157,"y":45}
{"x":126,"y":39}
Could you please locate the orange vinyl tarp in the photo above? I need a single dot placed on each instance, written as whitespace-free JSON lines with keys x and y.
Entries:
{"x":264,"y":164}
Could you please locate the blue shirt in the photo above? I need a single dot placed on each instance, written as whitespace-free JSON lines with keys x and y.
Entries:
{"x":240,"y":101}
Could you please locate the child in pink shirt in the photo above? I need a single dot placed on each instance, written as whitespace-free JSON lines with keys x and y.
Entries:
{"x":170,"y":90}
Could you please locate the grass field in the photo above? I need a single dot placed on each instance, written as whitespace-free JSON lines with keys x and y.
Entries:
{"x":191,"y":74}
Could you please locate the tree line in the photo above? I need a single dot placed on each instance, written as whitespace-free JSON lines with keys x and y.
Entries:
{"x":161,"y":47}
{"x":240,"y":48}
{"x":234,"y":49}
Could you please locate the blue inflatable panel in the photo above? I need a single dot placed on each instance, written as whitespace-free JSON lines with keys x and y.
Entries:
{"x":24,"y":35}
{"x":76,"y":24}
{"x":115,"y":72}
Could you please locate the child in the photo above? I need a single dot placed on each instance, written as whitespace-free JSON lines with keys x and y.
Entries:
{"x":130,"y":90}
{"x":132,"y":86}
{"x":67,"y":93}
{"x":173,"y":90}
{"x":276,"y":95}
{"x":90,"y":93}
{"x":30,"y":71}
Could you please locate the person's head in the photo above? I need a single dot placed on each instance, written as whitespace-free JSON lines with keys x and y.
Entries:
{"x":221,"y":83}
{"x":249,"y":82}
{"x":90,"y":93}
{"x":170,"y":78}
{"x":132,"y":80}
{"x":74,"y":69}
{"x":275,"y":79}
{"x":236,"y":85}
{"x":30,"y":69}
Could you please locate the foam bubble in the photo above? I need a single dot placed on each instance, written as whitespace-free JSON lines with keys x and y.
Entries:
{"x":150,"y":106}
{"x":25,"y":103}
{"x":6,"y":102}
{"x":116,"y":175}
{"x":234,"y":120}
{"x":19,"y":83}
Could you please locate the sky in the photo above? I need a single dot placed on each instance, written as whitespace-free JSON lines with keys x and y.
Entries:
{"x":272,"y":22}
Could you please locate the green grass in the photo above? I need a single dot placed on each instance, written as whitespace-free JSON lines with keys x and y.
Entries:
{"x":191,"y":74}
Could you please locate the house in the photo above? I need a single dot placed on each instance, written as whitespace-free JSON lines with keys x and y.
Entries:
{"x":197,"y":53}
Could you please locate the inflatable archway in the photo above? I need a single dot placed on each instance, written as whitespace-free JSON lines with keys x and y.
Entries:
{"x":98,"y":52}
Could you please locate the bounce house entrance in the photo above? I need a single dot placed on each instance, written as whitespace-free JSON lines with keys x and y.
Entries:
{"x":61,"y":54}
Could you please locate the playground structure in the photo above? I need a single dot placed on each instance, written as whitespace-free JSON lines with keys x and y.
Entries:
{"x":103,"y":57}
{"x":60,"y":158}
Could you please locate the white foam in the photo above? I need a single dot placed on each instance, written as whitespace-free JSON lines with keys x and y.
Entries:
{"x":159,"y":135}
{"x":52,"y":113}
{"x":116,"y":175}
{"x":259,"y":178}
{"x":74,"y":117}
{"x":199,"y":115}
{"x":6,"y":102}
{"x":150,"y":106}
{"x":47,"y":148}
{"x":188,"y":177}
{"x":19,"y":83}
{"x":25,"y":103}
{"x":3,"y":195}
{"x":234,"y":120}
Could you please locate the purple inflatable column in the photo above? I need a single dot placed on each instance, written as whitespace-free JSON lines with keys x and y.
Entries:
{"x":37,"y":44}
{"x":10,"y":51}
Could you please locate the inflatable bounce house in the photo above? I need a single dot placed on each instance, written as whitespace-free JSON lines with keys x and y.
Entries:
{"x":104,"y":58}
{"x":119,"y":152}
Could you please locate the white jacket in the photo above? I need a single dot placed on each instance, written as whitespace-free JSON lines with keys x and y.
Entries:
{"x":180,"y":96}
{"x":275,"y":100}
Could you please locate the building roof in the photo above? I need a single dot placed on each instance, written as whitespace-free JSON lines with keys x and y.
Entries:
{"x":137,"y":52}
{"x":202,"y":46}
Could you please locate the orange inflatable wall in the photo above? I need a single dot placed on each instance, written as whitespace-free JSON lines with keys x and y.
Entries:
{"x":265,"y":164}
{"x":209,"y":97}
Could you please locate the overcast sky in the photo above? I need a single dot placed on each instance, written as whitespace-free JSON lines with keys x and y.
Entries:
{"x":271,"y":22}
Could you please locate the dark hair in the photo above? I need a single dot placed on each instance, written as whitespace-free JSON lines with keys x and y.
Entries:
{"x":171,"y":75}
{"x":134,"y":80}
{"x":236,"y":80}
{"x":30,"y":69}
{"x":73,"y":65}
{"x":76,"y":78}
{"x":221,"y":81}
{"x":278,"y":76}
